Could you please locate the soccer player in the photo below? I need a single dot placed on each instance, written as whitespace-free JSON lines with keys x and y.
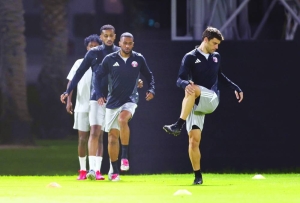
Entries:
{"x":199,"y":75}
{"x":124,"y":68}
{"x":81,"y":111}
{"x":96,"y":113}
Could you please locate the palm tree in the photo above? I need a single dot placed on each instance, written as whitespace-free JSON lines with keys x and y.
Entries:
{"x":15,"y":120}
{"x":55,"y":122}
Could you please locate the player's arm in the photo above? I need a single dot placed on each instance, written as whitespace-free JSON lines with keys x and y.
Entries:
{"x":101,"y":71}
{"x":69,"y":106}
{"x":84,"y":66}
{"x":184,"y":77}
{"x":147,"y":73}
{"x":237,"y":90}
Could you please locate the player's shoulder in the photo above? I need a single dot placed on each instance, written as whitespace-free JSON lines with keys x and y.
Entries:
{"x":216,"y":54}
{"x":137,"y":54}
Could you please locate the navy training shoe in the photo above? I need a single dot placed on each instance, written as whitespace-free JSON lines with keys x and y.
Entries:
{"x":198,"y":181}
{"x":172,"y":129}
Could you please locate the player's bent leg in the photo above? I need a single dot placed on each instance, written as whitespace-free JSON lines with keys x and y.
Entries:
{"x":123,"y":120}
{"x":187,"y":106}
{"x":188,"y":102}
{"x":194,"y":153}
{"x":113,"y":152}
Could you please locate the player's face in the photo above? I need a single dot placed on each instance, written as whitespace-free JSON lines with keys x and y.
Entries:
{"x":91,"y":45}
{"x":212,"y":45}
{"x":108,"y":37}
{"x":126,"y":44}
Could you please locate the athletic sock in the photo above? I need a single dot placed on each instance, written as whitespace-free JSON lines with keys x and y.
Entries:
{"x":98,"y":163}
{"x":198,"y":174}
{"x":124,"y":152}
{"x":82,"y":163}
{"x":115,"y":167}
{"x":180,"y":122}
{"x":92,"y":163}
{"x":110,"y":168}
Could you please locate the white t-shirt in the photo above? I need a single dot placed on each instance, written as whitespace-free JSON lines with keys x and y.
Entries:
{"x":83,"y":88}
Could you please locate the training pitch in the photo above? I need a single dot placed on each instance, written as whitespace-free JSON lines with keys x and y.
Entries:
{"x":153,"y":188}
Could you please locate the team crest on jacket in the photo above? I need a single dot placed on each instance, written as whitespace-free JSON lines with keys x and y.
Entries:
{"x":134,"y":64}
{"x":215,"y":59}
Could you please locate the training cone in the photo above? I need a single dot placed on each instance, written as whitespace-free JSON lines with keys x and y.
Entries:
{"x":258,"y":176}
{"x":182,"y":192}
{"x":53,"y":185}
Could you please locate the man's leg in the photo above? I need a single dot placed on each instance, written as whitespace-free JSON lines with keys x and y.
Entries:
{"x":82,"y":142}
{"x":195,"y":155}
{"x":123,"y":120}
{"x":99,"y":157}
{"x":113,"y":152}
{"x":186,"y":108}
{"x":93,"y":146}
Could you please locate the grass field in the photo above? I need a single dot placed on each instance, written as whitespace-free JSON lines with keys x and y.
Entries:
{"x":217,"y":188}
{"x":25,"y":174}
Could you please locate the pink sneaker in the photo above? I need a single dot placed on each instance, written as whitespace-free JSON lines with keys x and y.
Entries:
{"x":114,"y":177}
{"x":82,"y":175}
{"x":99,"y":176}
{"x":124,"y":165}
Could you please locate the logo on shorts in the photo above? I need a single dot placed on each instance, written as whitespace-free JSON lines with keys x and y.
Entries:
{"x":215,"y":59}
{"x":134,"y":64}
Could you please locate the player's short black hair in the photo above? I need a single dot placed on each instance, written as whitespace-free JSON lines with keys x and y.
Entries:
{"x":127,"y":34}
{"x":92,"y":38}
{"x":107,"y":27}
{"x":211,"y":33}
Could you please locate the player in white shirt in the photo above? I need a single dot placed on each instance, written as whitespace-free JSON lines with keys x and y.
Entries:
{"x":82,"y":112}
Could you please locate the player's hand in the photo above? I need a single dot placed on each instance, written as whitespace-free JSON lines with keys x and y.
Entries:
{"x":140,"y":83}
{"x":69,"y":107}
{"x":239,"y":96}
{"x":149,"y":96}
{"x":63,"y":97}
{"x":190,"y":89}
{"x":101,"y":101}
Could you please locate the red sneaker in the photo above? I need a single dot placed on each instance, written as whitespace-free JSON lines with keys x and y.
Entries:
{"x":99,"y":176}
{"x":82,"y":175}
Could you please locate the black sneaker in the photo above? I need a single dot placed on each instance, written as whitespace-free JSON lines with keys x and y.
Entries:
{"x":172,"y":129}
{"x":198,"y":181}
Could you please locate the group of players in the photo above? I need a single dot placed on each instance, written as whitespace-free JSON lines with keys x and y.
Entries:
{"x":107,"y":79}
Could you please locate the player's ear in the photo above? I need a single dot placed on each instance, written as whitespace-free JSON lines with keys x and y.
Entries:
{"x":132,"y":44}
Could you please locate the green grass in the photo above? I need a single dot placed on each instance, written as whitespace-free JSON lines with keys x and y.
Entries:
{"x":217,"y":188}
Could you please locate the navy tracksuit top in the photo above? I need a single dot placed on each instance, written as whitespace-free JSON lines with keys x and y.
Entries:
{"x":203,"y":72}
{"x":92,"y":59}
{"x":123,"y":78}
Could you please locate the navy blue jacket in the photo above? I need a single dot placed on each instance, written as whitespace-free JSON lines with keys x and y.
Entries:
{"x":123,"y":78}
{"x":203,"y":72}
{"x":92,"y":59}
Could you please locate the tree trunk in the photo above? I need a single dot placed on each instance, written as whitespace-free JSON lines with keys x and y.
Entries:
{"x":15,"y":120}
{"x":55,"y":122}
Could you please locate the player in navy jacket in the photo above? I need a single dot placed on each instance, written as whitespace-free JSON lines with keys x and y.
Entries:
{"x":96,"y":112}
{"x":199,"y":75}
{"x":124,"y":68}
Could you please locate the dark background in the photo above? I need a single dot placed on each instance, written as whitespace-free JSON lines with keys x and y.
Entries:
{"x":258,"y":134}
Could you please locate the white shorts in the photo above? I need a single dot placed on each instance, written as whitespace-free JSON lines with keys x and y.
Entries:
{"x":81,"y":121}
{"x":208,"y":103}
{"x":111,"y":117}
{"x":96,"y":114}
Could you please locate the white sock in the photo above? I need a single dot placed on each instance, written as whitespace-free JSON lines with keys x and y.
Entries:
{"x":92,"y":162}
{"x":98,"y":163}
{"x":110,"y":168}
{"x":82,"y":163}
